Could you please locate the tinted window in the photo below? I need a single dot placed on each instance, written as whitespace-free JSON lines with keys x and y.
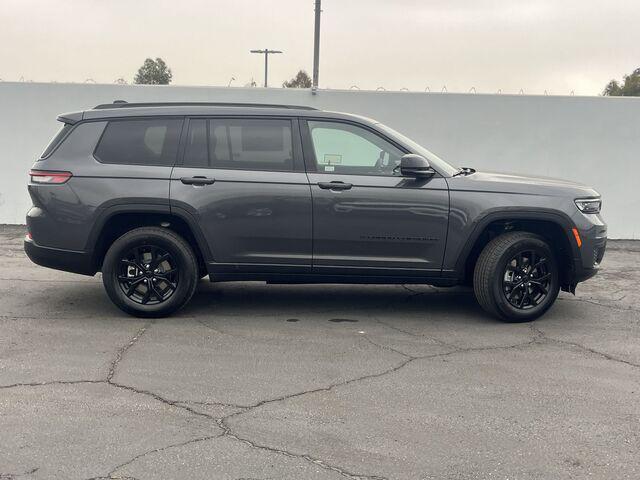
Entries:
{"x":55,"y":141}
{"x":345,"y":148}
{"x":140,"y":142}
{"x":196,"y":152}
{"x":247,"y":144}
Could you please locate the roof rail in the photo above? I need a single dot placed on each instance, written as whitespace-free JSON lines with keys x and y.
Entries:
{"x":124,"y":104}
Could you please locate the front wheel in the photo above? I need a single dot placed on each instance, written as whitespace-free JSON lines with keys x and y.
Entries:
{"x":516,"y":277}
{"x":150,"y":272}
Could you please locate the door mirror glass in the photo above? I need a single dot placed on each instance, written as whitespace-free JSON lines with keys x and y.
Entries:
{"x":412,"y":165}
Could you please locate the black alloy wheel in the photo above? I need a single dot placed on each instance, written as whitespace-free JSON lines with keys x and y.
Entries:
{"x":517,"y":276}
{"x":527,"y":278}
{"x":150,"y":272}
{"x":148,"y":275}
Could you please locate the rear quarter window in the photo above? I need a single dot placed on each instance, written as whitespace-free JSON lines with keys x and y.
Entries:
{"x":140,"y":142}
{"x":56,"y":140}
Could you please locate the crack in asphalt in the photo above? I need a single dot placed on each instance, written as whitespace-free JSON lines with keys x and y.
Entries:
{"x":388,"y":348}
{"x":123,"y":350}
{"x":37,"y":280}
{"x":222,"y":422}
{"x":160,"y":398}
{"x":228,"y":432}
{"x":111,"y":474}
{"x":417,"y":335}
{"x":12,"y":476}
{"x":432,"y":291}
{"x":595,"y":302}
{"x":219,"y":421}
{"x":208,"y":403}
{"x":308,"y":458}
{"x":593,"y":351}
{"x":49,"y":382}
{"x":114,"y":478}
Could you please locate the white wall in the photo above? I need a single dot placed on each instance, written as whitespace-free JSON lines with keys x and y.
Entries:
{"x":592,"y":140}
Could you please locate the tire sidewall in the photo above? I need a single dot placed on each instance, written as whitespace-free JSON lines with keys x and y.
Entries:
{"x":187,"y":272}
{"x":508,"y":311}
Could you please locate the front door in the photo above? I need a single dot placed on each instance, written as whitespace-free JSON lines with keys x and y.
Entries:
{"x":367,"y":218}
{"x":243,"y":180}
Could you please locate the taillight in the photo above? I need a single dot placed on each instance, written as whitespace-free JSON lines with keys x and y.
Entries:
{"x":44,"y":176}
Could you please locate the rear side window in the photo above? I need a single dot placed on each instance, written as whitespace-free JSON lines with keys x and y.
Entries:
{"x":245,"y":144}
{"x":56,"y":140}
{"x":140,"y":142}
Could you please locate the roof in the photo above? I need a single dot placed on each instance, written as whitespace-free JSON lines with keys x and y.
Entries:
{"x":125,"y":104}
{"x":120,"y":109}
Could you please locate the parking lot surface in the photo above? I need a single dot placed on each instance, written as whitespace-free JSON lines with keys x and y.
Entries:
{"x":254,"y":381}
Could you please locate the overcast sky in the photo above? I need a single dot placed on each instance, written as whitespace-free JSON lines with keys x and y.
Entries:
{"x":536,"y":45}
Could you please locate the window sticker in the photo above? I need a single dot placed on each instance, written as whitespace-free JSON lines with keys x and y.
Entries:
{"x":332,"y":159}
{"x":329,"y":168}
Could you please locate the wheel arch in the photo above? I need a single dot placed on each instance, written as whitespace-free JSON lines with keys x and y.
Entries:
{"x":555,"y":227}
{"x":117,"y":220}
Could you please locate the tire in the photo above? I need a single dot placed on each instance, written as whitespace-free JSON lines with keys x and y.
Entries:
{"x":152,"y":263}
{"x":505,"y":277}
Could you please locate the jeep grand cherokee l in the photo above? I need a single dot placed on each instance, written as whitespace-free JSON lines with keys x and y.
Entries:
{"x":156,"y":196}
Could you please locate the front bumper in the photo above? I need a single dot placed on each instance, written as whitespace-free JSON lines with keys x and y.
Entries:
{"x":66,"y":260}
{"x":589,"y":255}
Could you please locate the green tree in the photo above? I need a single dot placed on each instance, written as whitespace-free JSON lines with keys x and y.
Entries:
{"x":630,"y":86}
{"x":153,"y":72}
{"x":301,"y":80}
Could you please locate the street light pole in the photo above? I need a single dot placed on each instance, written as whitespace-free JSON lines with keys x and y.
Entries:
{"x":266,"y":53}
{"x":316,"y":48}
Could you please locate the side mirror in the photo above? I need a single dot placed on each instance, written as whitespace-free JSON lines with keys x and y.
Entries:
{"x":412,"y":165}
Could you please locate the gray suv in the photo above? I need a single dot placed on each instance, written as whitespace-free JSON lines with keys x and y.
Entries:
{"x":157,"y":196}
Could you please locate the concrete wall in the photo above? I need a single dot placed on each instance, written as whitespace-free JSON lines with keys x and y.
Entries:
{"x":592,"y":140}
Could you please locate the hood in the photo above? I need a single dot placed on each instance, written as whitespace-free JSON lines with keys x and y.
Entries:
{"x":512,"y":183}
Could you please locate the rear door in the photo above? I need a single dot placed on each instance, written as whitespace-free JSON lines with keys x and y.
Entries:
{"x":368,"y":218}
{"x":243,"y":181}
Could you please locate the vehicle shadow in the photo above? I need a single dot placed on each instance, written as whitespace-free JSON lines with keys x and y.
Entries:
{"x":339,"y":301}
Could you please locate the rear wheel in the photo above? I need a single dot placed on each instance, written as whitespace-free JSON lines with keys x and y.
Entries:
{"x":516,"y":277}
{"x":150,"y":272}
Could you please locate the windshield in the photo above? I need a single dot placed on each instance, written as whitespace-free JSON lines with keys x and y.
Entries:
{"x":434,"y":160}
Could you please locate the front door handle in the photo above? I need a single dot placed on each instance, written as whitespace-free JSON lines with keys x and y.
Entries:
{"x":335,"y":185}
{"x":197,"y":180}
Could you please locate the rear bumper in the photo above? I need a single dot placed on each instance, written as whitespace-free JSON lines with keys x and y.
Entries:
{"x":66,"y":260}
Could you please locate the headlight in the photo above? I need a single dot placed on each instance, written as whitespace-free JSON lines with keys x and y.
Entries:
{"x":589,"y":205}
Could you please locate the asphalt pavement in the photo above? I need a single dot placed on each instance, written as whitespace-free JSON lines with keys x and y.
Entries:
{"x":255,"y":381}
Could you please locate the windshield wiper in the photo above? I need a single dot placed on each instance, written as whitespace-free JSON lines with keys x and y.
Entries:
{"x":464,"y":171}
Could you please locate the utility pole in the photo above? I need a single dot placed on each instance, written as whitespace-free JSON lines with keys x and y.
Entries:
{"x":266,"y":53}
{"x":316,"y":48}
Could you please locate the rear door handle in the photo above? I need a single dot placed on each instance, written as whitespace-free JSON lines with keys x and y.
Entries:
{"x":197,"y":180}
{"x":335,"y":185}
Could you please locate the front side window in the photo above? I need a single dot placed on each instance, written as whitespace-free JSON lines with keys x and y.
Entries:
{"x":245,"y":144}
{"x":345,"y":148}
{"x":140,"y":142}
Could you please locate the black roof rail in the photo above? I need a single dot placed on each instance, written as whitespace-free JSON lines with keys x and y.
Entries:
{"x":125,"y":104}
